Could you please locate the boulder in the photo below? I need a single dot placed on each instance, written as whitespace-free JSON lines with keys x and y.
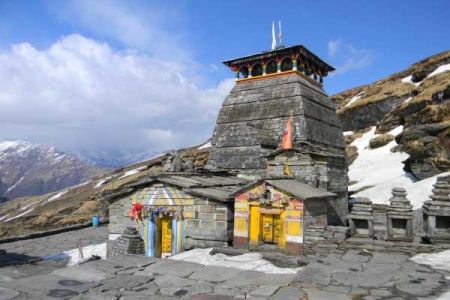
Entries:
{"x":352,"y":154}
{"x":381,"y":140}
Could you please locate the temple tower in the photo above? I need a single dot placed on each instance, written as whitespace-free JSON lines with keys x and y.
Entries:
{"x":271,"y":86}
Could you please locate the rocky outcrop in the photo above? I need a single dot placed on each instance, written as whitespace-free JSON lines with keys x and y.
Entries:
{"x":352,"y":153}
{"x":429,"y":149}
{"x":360,"y":117}
{"x":380,"y":141}
{"x":415,"y":99}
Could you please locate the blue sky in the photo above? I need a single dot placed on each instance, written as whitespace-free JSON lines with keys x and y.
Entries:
{"x":54,"y":60}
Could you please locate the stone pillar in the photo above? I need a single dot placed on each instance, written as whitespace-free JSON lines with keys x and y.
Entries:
{"x":436,"y":212}
{"x":278,"y":66}
{"x":294,"y":64}
{"x":264,"y":69}
{"x":399,"y":217}
{"x":129,"y":243}
{"x":250,"y":72}
{"x":361,"y":218}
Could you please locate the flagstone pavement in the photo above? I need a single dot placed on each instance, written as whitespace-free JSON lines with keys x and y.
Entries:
{"x":349,"y":274}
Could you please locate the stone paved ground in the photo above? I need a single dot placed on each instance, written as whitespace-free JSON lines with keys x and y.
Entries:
{"x":342,"y":274}
{"x":57,"y":242}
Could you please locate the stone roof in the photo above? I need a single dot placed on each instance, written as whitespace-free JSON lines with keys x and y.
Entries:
{"x":292,"y":186}
{"x":299,"y":189}
{"x":199,"y":181}
{"x":223,"y":193}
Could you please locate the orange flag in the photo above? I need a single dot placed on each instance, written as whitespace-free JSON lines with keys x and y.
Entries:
{"x":286,"y":142}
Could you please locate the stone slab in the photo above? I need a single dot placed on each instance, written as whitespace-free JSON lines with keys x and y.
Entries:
{"x":214,"y":274}
{"x":173,"y":267}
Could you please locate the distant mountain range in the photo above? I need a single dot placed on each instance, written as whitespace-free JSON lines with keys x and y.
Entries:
{"x":28,"y":169}
{"x":115,"y":158}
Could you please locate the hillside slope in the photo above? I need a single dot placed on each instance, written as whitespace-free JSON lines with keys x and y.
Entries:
{"x":418,"y":99}
{"x":77,"y":204}
{"x":32,"y":169}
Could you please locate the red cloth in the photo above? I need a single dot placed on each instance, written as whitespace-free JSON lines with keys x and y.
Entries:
{"x":136,"y":211}
{"x":286,"y":142}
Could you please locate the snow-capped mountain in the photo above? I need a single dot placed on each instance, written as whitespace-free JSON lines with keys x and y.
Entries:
{"x":116,"y":158}
{"x":28,"y":169}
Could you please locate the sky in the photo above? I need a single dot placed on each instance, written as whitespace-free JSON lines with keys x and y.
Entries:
{"x":106,"y":76}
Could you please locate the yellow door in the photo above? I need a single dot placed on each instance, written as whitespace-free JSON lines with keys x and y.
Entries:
{"x":271,"y":227}
{"x":166,"y":235}
{"x":267,"y":228}
{"x":276,"y":228}
{"x":254,"y":225}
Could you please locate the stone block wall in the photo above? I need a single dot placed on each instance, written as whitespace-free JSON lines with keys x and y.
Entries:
{"x":119,"y":216}
{"x":208,"y":224}
{"x":328,"y":173}
{"x":266,"y":105}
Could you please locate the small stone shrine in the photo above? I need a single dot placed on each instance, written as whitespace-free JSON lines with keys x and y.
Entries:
{"x":361,"y":218}
{"x":436,"y":212}
{"x":129,"y":243}
{"x":277,"y":212}
{"x":399,"y":217}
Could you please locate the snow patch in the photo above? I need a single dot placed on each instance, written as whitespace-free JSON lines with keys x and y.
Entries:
{"x":407,"y":100}
{"x":101,"y":182}
{"x":8,"y":144}
{"x":81,"y":184}
{"x":381,"y":170}
{"x":132,"y":172}
{"x":377,"y":167}
{"x":114,"y":236}
{"x":408,"y":79}
{"x":26,"y":206}
{"x":348,"y":133}
{"x":15,"y":184}
{"x":438,"y":261}
{"x":56,"y":196}
{"x":3,"y":217}
{"x":440,"y":69}
{"x":205,"y":146}
{"x":248,"y":261}
{"x":73,"y":256}
{"x":355,"y":98}
{"x":19,"y":215}
{"x":445,"y":296}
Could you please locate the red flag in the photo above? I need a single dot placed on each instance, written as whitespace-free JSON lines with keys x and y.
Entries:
{"x":286,"y":142}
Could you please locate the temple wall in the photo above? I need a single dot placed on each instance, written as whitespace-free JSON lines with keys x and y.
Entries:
{"x":257,"y":110}
{"x":205,"y":223}
{"x":208,"y":224}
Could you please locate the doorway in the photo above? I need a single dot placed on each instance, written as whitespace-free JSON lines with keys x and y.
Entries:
{"x":271,"y":228}
{"x":165,"y":236}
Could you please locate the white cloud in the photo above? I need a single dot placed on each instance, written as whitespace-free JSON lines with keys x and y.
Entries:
{"x":347,"y":57}
{"x":137,"y":24}
{"x":80,"y":94}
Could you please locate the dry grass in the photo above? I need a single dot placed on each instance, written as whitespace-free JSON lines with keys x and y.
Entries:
{"x":393,"y":87}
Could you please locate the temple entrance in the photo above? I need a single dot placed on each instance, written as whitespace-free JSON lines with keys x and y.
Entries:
{"x":271,"y":228}
{"x":165,"y":236}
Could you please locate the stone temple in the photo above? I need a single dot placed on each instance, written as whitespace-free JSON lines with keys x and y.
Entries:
{"x":253,"y":192}
{"x":270,"y":87}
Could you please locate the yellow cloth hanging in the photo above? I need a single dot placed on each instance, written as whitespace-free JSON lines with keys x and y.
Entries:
{"x":286,"y":169}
